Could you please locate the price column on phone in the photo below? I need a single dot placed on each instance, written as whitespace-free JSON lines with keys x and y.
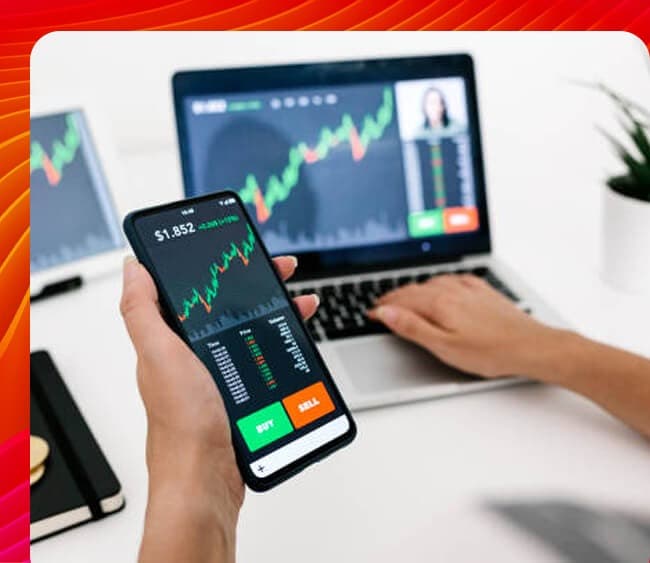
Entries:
{"x":257,"y":356}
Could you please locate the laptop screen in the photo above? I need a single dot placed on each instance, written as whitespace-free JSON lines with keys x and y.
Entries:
{"x":333,"y":168}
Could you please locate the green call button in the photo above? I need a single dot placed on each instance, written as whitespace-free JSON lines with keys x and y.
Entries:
{"x":426,"y":223}
{"x":264,"y":426}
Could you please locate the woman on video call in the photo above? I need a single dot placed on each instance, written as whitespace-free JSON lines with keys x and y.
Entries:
{"x":195,"y":489}
{"x":436,"y":119}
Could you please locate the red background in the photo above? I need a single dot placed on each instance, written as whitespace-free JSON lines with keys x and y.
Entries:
{"x":24,"y":22}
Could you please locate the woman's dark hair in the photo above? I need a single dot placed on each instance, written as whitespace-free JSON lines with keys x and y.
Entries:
{"x":445,"y":115}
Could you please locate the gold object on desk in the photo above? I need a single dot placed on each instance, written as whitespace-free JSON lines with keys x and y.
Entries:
{"x":36,"y":473}
{"x":38,"y":452}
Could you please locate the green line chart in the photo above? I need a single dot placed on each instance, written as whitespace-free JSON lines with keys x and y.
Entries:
{"x":63,"y":152}
{"x":210,"y":292}
{"x":279,"y":188}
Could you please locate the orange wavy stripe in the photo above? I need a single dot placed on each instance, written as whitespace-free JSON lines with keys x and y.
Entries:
{"x":619,"y":15}
{"x":11,"y":105}
{"x":13,"y":222}
{"x":116,"y":13}
{"x":14,"y":74}
{"x":329,"y":20}
{"x":248,"y":13}
{"x":519,"y":16}
{"x":14,"y":325}
{"x":296,"y":17}
{"x":14,"y":123}
{"x":16,"y":49}
{"x":423,"y":14}
{"x":556,"y":13}
{"x":14,"y":279}
{"x":14,"y":375}
{"x":494,"y":12}
{"x":387,"y":18}
{"x":160,"y":16}
{"x":12,"y":154}
{"x":13,"y":184}
{"x":15,"y":60}
{"x":13,"y":89}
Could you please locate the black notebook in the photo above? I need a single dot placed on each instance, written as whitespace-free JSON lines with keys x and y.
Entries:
{"x":78,"y":484}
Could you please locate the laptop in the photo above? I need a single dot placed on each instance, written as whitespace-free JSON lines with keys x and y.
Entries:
{"x":371,"y":173}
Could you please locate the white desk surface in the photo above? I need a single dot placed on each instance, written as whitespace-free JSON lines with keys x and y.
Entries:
{"x":416,"y":483}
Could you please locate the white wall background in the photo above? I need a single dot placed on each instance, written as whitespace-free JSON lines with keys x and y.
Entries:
{"x":545,"y":160}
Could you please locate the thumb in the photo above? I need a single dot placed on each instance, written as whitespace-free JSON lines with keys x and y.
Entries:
{"x":139,"y":306}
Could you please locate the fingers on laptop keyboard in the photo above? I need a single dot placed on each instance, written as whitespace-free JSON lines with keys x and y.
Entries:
{"x":343,"y":308}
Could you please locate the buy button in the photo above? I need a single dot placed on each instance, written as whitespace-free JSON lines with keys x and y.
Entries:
{"x":308,"y":404}
{"x":264,"y":426}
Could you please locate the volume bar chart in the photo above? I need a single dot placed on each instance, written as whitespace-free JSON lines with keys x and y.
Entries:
{"x":230,"y":320}
{"x":290,"y":343}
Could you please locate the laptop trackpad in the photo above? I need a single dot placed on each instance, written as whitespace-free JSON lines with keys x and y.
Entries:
{"x":388,"y":363}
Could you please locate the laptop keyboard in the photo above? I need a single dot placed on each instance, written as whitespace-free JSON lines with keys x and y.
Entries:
{"x":342,"y":312}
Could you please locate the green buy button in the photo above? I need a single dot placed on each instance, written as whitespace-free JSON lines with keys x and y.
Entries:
{"x":426,"y":223}
{"x":264,"y":426}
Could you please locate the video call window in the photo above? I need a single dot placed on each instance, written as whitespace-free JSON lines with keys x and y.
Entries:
{"x":437,"y":156}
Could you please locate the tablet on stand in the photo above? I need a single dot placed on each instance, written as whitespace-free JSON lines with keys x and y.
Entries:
{"x":75,"y":221}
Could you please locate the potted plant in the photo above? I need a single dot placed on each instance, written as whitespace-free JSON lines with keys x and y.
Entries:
{"x":626,"y":207}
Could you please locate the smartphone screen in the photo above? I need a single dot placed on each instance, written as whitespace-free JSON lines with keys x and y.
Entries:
{"x":222,"y":294}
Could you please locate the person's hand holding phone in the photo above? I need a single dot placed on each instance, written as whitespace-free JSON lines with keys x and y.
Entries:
{"x":194,"y":482}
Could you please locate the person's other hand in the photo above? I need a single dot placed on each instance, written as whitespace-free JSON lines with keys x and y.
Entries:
{"x":464,"y":322}
{"x":188,"y":438}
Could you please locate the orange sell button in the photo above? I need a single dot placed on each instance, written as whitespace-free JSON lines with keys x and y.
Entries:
{"x":308,"y":404}
{"x":460,"y":219}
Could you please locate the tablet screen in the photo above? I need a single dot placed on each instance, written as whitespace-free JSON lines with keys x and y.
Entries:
{"x":72,"y":212}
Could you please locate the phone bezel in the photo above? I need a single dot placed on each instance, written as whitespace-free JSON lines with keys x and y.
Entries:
{"x":253,"y":482}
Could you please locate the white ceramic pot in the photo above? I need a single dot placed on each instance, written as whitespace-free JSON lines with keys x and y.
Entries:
{"x":626,"y":242}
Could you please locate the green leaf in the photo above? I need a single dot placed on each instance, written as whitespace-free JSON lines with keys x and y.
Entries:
{"x":628,"y":187}
{"x":635,"y":121}
{"x":638,"y":170}
{"x":641,"y":141}
{"x":626,"y":105}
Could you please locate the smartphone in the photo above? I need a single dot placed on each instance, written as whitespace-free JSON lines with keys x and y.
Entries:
{"x":220,"y":292}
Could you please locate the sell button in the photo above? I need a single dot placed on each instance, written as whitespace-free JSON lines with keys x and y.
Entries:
{"x":264,"y":426}
{"x":460,"y":219}
{"x":308,"y":404}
